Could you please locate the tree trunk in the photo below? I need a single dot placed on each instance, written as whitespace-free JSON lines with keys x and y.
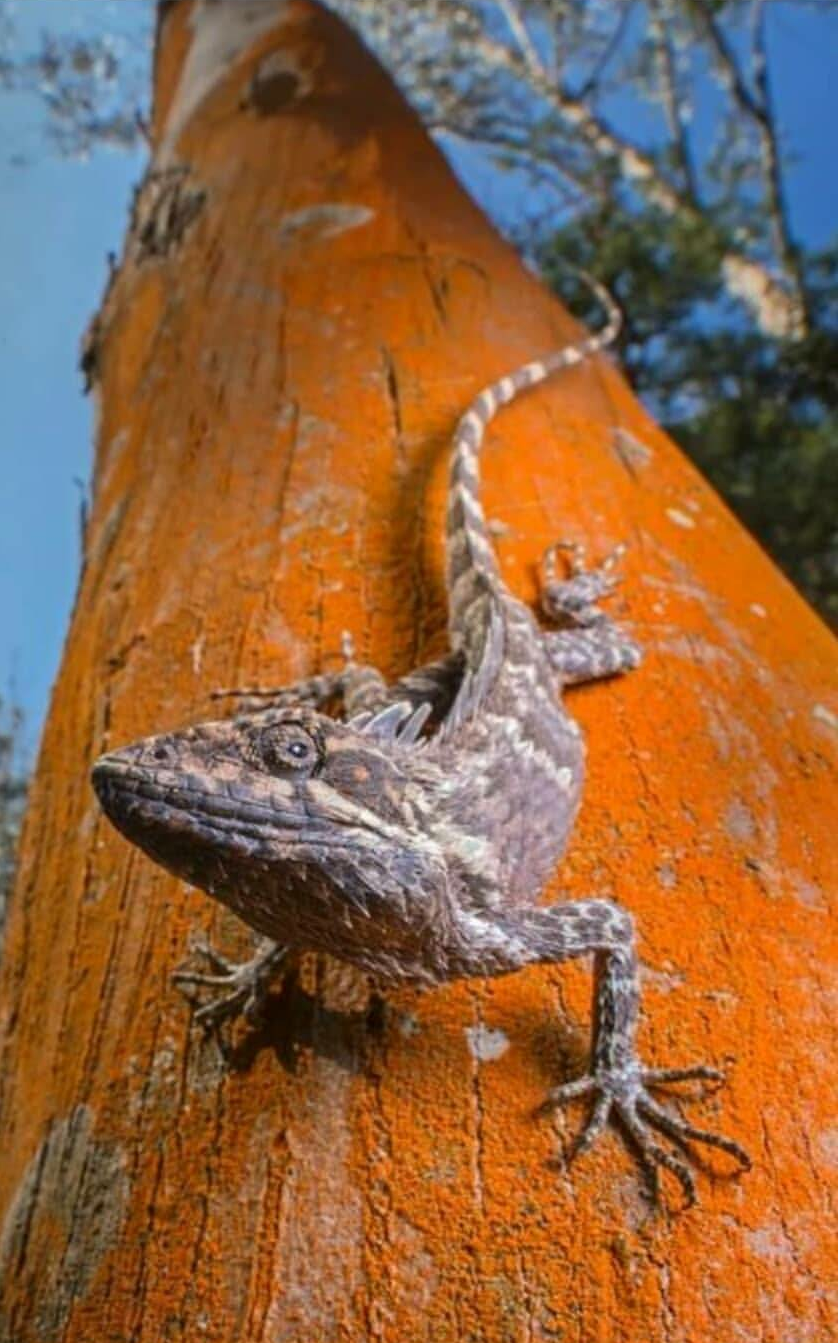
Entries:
{"x":306,"y":303}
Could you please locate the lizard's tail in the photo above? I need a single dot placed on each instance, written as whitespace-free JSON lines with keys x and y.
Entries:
{"x":473,"y":573}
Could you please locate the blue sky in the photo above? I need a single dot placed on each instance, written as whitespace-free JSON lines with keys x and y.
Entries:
{"x":58,"y":220}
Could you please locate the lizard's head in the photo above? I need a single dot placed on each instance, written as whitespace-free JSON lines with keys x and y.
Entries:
{"x":286,"y":799}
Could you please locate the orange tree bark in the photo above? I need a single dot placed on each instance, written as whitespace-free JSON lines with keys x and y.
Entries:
{"x":306,"y":302}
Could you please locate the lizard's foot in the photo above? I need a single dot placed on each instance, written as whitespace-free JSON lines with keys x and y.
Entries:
{"x":315,"y":690}
{"x":243,"y":985}
{"x":575,"y":598}
{"x":624,"y":1095}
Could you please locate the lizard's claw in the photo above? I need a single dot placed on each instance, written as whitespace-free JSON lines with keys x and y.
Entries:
{"x":624,"y":1095}
{"x":244,"y":985}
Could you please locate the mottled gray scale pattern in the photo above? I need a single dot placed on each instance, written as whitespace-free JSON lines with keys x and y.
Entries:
{"x":413,"y":838}
{"x":587,"y":655}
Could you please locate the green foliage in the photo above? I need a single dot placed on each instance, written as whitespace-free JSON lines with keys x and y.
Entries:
{"x":758,"y":415}
{"x":13,"y":787}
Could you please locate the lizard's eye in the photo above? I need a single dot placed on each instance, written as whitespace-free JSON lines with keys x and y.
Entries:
{"x":287,"y":746}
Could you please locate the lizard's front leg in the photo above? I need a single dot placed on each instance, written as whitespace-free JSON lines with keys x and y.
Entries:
{"x":433,"y":685}
{"x":618,"y":1083}
{"x":240,"y":986}
{"x":574,"y":599}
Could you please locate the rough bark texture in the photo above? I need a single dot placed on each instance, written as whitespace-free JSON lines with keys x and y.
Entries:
{"x":306,"y":303}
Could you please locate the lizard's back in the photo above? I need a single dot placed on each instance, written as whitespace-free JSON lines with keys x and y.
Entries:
{"x":515,"y":765}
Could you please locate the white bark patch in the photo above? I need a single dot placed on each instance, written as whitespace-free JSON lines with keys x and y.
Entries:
{"x":408,"y":1024}
{"x":484,"y":1044}
{"x":807,"y":892}
{"x":497,"y":528}
{"x":739,"y":821}
{"x":632,"y":451}
{"x":777,"y":312}
{"x":667,"y":876}
{"x":223,"y":30}
{"x":112,"y":455}
{"x":821,"y":714}
{"x":827,"y":1141}
{"x":665,"y":981}
{"x":197,"y":651}
{"x":323,"y":221}
{"x":771,"y":1242}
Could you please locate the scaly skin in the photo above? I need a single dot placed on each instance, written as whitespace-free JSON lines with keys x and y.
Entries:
{"x":413,"y":838}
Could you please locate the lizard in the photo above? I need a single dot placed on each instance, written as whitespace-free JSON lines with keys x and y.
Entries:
{"x":412,"y":836}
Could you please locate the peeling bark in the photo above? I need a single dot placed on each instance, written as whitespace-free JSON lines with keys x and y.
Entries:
{"x":64,"y":1217}
{"x":278,"y":381}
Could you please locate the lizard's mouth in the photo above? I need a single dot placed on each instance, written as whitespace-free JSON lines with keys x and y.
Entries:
{"x":146,"y":804}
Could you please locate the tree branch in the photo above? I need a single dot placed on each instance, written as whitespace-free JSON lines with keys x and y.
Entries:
{"x":611,"y":45}
{"x":660,"y":20}
{"x":573,"y":188}
{"x":757,"y":107}
{"x":519,"y":31}
{"x":772,"y":167}
{"x":776,"y":311}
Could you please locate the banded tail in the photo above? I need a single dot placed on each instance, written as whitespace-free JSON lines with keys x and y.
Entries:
{"x":473,"y":573}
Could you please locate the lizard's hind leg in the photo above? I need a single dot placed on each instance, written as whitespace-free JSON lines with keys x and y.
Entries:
{"x":313,"y":690}
{"x":591,"y":645}
{"x":617,"y":1082}
{"x":358,"y":685}
{"x":573,"y":600}
{"x":591,"y":653}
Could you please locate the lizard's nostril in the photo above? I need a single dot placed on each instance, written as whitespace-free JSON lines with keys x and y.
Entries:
{"x":162,"y":752}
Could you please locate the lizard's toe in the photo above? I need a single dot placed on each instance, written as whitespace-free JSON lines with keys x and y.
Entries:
{"x":674,"y":1126}
{"x":243,"y":986}
{"x":622,"y":1095}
